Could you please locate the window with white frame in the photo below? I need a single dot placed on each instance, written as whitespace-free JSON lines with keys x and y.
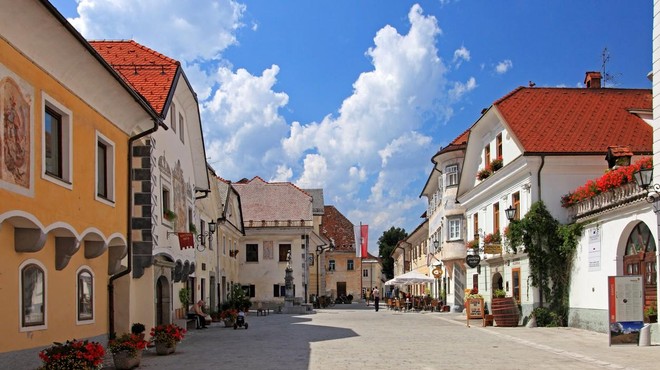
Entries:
{"x":105,"y":168}
{"x":451,"y":172}
{"x":454,"y":228}
{"x":33,"y":294}
{"x":56,"y":140}
{"x":181,"y":135}
{"x":350,"y":265}
{"x":173,"y":116}
{"x":331,"y":265}
{"x":85,"y":296}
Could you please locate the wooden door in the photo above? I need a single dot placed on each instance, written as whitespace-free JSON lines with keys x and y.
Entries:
{"x":640,"y":260}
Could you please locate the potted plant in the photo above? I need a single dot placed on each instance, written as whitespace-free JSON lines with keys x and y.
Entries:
{"x":73,"y":354}
{"x":483,"y":174}
{"x":127,"y":350}
{"x":169,"y":215}
{"x":496,"y":164}
{"x":472,"y":244}
{"x":165,"y":337}
{"x":184,"y":298}
{"x":228,"y":316}
{"x":651,"y":313}
{"x":192,"y":228}
{"x":138,"y":329}
{"x":499,"y":293}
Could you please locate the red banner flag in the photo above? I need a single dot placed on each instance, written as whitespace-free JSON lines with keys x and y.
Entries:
{"x":186,"y":240}
{"x":364,"y":236}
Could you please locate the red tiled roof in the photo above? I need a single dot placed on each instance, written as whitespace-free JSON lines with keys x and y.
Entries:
{"x":574,"y":120}
{"x":338,"y":228}
{"x":620,"y":151}
{"x":459,"y":143}
{"x":149,"y":72}
{"x":277,"y":201}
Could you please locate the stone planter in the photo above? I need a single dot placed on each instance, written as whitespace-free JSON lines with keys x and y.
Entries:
{"x":229,"y":322}
{"x":124,"y":360}
{"x":163,"y":350}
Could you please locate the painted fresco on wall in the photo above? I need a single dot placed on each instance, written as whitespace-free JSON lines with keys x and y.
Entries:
{"x":179,"y":192}
{"x":16,"y":101}
{"x":268,"y":250}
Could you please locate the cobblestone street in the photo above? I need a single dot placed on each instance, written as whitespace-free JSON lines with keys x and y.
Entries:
{"x":351,"y":336}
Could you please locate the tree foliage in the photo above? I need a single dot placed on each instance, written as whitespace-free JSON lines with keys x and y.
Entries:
{"x":386,"y":244}
{"x":550,"y":247}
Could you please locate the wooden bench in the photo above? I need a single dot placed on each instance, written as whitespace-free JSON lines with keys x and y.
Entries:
{"x":264,"y":308}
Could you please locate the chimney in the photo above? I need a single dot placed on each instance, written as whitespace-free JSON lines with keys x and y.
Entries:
{"x":592,"y":80}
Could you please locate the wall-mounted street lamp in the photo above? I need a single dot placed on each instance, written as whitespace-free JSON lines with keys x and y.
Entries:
{"x":319,"y":250}
{"x":643,"y":179}
{"x":436,"y":245}
{"x":510,"y":213}
{"x":202,"y":237}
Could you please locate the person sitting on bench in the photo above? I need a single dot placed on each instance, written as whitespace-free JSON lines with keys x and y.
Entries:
{"x":199,"y":315}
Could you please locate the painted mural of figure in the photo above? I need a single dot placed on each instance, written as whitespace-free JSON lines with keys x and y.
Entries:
{"x":15,"y":139}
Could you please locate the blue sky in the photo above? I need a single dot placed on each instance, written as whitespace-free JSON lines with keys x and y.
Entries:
{"x":356,"y":96}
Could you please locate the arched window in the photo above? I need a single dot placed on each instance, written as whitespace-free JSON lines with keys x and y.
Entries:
{"x":640,"y":260}
{"x":33,"y":293}
{"x":85,"y":295}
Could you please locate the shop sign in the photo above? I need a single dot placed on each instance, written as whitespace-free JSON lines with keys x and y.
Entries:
{"x":473,"y":260}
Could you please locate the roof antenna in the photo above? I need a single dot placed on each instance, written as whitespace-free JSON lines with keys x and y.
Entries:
{"x":162,"y":70}
{"x":135,"y":72}
{"x":607,"y":76}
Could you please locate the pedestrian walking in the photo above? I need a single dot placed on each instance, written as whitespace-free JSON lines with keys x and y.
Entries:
{"x":376,"y":295}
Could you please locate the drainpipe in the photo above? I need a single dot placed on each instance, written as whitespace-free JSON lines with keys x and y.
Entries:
{"x":129,"y":212}
{"x":538,"y":175}
{"x":538,"y":179}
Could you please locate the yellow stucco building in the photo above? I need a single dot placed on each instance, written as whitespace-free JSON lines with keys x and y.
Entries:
{"x":63,"y":178}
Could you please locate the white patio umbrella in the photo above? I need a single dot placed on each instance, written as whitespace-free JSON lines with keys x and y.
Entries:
{"x":391,"y":282}
{"x":413,"y":277}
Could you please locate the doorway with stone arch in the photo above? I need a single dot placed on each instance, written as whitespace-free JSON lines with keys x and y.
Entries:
{"x":640,"y":259}
{"x":163,"y":300}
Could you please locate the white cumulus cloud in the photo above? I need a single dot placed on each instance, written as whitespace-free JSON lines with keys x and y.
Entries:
{"x":460,"y":55}
{"x":503,"y":66}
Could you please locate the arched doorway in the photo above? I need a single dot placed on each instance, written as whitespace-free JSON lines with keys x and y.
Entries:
{"x":162,"y":301}
{"x":639,"y":259}
{"x":498,"y":282}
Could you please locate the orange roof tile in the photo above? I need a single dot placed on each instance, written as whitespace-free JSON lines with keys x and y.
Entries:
{"x":335,"y":226}
{"x":575,"y":120}
{"x":276,"y":201}
{"x":149,"y":72}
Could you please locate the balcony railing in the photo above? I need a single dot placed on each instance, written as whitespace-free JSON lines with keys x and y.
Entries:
{"x":624,"y":194}
{"x":279,"y":223}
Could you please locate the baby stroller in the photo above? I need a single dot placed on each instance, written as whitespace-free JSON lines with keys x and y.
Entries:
{"x":240,"y":321}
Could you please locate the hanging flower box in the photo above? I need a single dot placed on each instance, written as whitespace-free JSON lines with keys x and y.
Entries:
{"x":483,"y":174}
{"x":612,"y":179}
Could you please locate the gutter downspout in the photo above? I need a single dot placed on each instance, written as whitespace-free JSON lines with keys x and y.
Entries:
{"x":129,"y":212}
{"x":538,"y":179}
